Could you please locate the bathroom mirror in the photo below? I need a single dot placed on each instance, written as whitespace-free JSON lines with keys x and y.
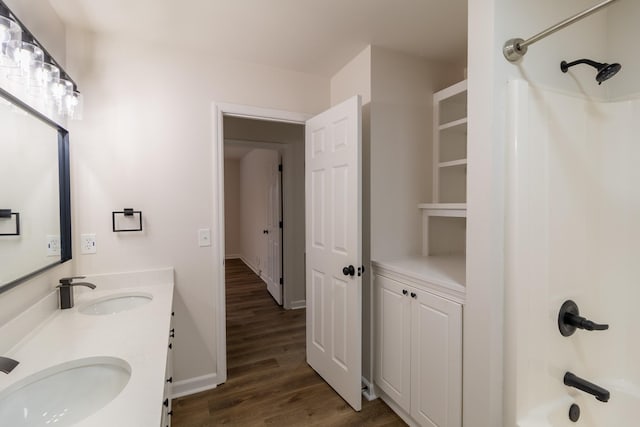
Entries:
{"x":35,"y":214}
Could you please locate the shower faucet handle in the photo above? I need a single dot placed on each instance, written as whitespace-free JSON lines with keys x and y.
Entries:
{"x":569,"y":320}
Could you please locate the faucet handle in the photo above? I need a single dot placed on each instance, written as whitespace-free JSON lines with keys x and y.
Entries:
{"x":569,"y":320}
{"x":66,"y":281}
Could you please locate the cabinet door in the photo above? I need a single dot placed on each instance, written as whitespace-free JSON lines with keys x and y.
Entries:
{"x":392,"y":343}
{"x":436,"y":361}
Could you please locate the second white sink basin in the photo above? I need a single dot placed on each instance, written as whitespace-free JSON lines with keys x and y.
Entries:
{"x":116,"y":303}
{"x":64,"y":394}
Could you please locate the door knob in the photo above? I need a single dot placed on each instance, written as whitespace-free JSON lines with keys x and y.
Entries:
{"x":349,"y":271}
{"x":265,"y":231}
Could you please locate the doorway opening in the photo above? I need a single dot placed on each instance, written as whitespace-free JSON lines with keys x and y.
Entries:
{"x":322,"y":234}
{"x":264,"y":237}
{"x":253,"y":211}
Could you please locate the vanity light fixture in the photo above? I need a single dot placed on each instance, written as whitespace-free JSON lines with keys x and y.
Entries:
{"x":32,"y":73}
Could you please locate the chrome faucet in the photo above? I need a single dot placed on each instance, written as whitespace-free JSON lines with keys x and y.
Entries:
{"x":66,"y":290}
{"x":581,"y":384}
{"x":7,"y":365}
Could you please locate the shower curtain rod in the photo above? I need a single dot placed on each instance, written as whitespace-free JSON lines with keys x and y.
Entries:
{"x":515,"y":49}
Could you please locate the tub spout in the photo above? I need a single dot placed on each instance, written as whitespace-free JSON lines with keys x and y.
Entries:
{"x":581,"y":384}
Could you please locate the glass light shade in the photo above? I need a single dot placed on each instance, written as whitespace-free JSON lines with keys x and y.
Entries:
{"x":46,"y":74}
{"x":10,"y":37}
{"x":73,"y":105}
{"x":28,"y":58}
{"x":60,"y":90}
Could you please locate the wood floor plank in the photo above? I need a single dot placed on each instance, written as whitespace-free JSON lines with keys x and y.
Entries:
{"x":269,"y":382}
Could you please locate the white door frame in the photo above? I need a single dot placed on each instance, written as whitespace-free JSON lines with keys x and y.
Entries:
{"x":219,"y":110}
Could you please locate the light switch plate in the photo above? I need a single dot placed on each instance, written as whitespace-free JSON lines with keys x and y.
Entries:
{"x":88,"y":244}
{"x":53,"y":245}
{"x":204,"y":237}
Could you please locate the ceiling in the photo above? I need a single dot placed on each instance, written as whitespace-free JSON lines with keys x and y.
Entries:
{"x":310,"y":36}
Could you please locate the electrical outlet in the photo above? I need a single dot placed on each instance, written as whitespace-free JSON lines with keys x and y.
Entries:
{"x":53,"y":245}
{"x":88,"y":244}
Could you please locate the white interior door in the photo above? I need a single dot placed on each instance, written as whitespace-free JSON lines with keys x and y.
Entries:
{"x":274,"y":236}
{"x":333,"y":184}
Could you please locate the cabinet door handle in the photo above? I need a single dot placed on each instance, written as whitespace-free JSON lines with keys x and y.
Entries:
{"x":170,"y":380}
{"x":413,"y":295}
{"x":166,"y":403}
{"x":172,"y":333}
{"x":405,"y":292}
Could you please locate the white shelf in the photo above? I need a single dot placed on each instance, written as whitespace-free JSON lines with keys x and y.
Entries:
{"x":452,"y":163}
{"x":456,"y":210}
{"x":456,"y":123}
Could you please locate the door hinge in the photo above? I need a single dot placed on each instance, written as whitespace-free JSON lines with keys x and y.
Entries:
{"x":280,"y":224}
{"x":279,"y":168}
{"x":281,"y":281}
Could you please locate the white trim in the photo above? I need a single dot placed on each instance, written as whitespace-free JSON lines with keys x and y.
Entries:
{"x":219,"y":110}
{"x":233,"y":256}
{"x":298,"y":304}
{"x":194,"y":385}
{"x":369,"y":392}
{"x":252,"y":267}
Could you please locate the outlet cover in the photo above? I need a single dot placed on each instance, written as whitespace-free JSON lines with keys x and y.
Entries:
{"x":88,"y":244}
{"x":204,"y":237}
{"x":53,"y":245}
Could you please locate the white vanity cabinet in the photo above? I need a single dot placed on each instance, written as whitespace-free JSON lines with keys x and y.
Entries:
{"x":418,"y":349}
{"x":167,"y":410}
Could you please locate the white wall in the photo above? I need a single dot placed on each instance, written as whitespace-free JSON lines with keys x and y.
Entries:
{"x":50,"y":31}
{"x":491,"y":23}
{"x":623,"y":33}
{"x":232,"y":241}
{"x":571,"y":234}
{"x":401,"y":147}
{"x":396,"y":91}
{"x":255,"y":179}
{"x":355,"y":79}
{"x":145,"y":142}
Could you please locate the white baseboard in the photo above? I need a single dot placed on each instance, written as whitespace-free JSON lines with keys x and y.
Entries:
{"x":194,"y":385}
{"x":232,"y":256}
{"x":296,"y":305}
{"x":254,"y":269}
{"x":369,"y":392}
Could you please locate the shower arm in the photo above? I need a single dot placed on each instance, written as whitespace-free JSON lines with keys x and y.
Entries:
{"x":514,"y":49}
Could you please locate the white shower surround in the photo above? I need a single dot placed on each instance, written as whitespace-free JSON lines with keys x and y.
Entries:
{"x":572,"y":232}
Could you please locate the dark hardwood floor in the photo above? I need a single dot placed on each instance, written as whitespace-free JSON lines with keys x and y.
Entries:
{"x":269,"y":382}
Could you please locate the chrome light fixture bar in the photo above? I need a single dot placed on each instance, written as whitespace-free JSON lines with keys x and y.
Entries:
{"x":515,"y":49}
{"x":30,"y":69}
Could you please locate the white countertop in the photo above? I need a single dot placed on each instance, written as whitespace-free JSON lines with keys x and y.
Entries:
{"x":442,"y":274}
{"x":139,"y":336}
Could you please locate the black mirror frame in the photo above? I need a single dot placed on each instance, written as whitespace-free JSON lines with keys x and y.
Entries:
{"x":64,"y":184}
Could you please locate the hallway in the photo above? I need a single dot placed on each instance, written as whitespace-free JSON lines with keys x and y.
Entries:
{"x":269,"y":381}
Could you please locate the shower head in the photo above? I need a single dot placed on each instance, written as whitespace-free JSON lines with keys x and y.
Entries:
{"x":605,"y":71}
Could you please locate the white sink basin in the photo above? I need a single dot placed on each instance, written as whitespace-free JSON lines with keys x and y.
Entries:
{"x":116,"y":303}
{"x":64,"y":394}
